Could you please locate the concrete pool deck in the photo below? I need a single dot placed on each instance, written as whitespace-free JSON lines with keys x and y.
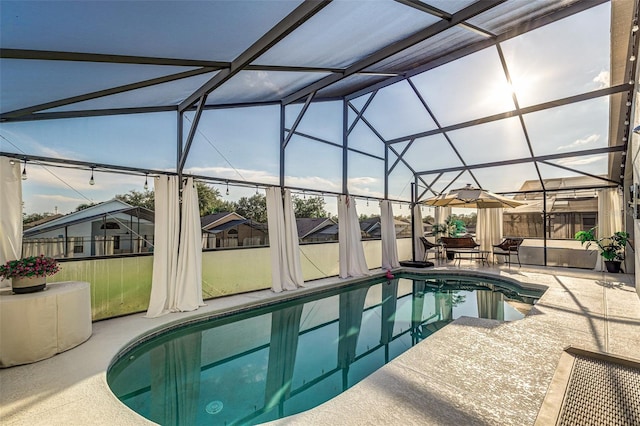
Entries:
{"x":473,"y":371}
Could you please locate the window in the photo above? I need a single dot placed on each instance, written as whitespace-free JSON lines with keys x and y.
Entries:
{"x":110,"y":225}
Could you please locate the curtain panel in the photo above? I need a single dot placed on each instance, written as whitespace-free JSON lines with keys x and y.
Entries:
{"x":352,"y":260}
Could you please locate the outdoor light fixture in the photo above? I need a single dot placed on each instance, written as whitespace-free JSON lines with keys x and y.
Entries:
{"x":257,"y":190}
{"x":24,"y":170}
{"x":227,"y":187}
{"x":91,"y":180}
{"x":146,"y":183}
{"x":12,"y":161}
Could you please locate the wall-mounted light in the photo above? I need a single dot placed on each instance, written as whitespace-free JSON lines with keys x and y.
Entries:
{"x":24,"y":170}
{"x":91,"y":180}
{"x":227,"y":188}
{"x":146,"y":181}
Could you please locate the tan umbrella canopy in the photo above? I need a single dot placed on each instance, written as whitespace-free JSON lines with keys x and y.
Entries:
{"x":472,"y":198}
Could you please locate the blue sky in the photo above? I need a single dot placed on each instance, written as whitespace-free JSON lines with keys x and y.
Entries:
{"x":552,"y":62}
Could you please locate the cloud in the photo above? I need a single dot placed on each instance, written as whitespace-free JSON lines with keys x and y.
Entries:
{"x":581,"y":161}
{"x":602,"y":79}
{"x":581,"y":142}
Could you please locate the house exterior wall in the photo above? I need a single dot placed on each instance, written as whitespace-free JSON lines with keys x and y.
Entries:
{"x":240,"y":236}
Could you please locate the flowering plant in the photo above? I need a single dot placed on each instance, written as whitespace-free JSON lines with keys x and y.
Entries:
{"x":32,"y":266}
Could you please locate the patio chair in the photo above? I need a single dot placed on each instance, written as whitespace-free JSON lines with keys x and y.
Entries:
{"x":508,"y":247}
{"x":430,"y":247}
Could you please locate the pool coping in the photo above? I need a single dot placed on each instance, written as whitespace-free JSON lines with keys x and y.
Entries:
{"x":59,"y":390}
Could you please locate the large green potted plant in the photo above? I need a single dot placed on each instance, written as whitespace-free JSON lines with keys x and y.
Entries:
{"x":29,"y":274}
{"x":611,"y":248}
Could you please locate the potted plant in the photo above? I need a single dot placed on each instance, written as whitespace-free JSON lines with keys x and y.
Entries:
{"x":451,"y":227}
{"x":611,"y":248}
{"x":29,"y":274}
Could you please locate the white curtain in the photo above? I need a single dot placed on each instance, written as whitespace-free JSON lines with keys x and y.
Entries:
{"x":286,"y":272}
{"x":175,"y":380}
{"x":189,"y":271}
{"x":352,"y":261}
{"x":609,"y":216}
{"x":388,"y":236}
{"x":489,"y":228}
{"x":165,"y":246}
{"x":441,"y":214}
{"x":11,"y":212}
{"x":283,"y":347}
{"x":418,"y":231}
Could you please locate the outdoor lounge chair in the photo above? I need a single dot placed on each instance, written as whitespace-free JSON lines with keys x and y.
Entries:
{"x":507,"y":248}
{"x":430,"y":247}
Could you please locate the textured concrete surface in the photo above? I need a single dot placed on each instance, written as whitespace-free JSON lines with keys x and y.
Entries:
{"x":473,"y":372}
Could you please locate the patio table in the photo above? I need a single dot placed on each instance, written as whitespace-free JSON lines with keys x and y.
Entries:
{"x":471,"y":254}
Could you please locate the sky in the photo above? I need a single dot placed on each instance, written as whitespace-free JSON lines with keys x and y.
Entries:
{"x":552,"y":62}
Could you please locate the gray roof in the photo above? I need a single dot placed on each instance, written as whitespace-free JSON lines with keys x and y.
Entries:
{"x":308,"y":225}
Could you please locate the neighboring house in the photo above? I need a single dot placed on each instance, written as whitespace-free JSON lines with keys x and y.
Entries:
{"x":112,"y":227}
{"x":370,"y":228}
{"x":567,"y":211}
{"x":229,"y":229}
{"x":311,"y":229}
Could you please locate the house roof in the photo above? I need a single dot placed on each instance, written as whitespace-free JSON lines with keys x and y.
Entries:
{"x":41,"y":221}
{"x":310,"y":225}
{"x":81,"y":215}
{"x":212,"y":220}
{"x":73,"y":219}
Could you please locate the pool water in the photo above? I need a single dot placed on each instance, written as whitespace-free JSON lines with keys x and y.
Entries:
{"x":276,"y":361}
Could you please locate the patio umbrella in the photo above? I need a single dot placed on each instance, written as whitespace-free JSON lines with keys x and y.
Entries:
{"x":471,"y":197}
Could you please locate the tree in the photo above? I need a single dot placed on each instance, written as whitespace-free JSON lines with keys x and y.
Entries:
{"x":311,"y":207}
{"x":254,"y":207}
{"x":33,"y":217}
{"x":84,"y":206}
{"x":209,"y":200}
{"x":145,"y":199}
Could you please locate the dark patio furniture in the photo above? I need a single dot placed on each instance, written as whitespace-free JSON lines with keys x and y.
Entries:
{"x":507,"y":248}
{"x":457,"y":247}
{"x":430,"y":247}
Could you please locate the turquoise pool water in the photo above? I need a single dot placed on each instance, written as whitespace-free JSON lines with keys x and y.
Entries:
{"x":276,"y":361}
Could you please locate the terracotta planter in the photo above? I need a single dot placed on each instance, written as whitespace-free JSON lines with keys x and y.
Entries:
{"x":23,"y":285}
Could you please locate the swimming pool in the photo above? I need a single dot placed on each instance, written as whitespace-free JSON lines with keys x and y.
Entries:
{"x":283,"y":359}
